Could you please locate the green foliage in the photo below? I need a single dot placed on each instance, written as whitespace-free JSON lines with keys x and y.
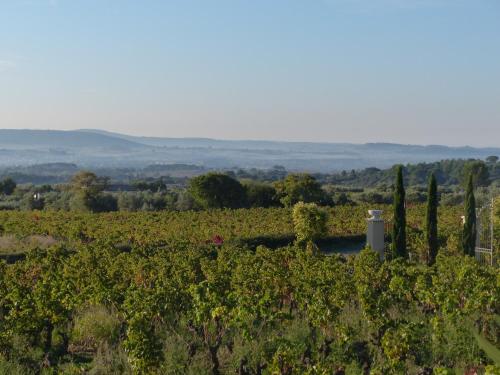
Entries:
{"x":469,"y":229}
{"x":453,"y":345}
{"x":431,"y":221}
{"x":142,"y":201}
{"x":31,"y":202}
{"x":153,"y":191}
{"x":95,"y":326}
{"x":12,"y":368}
{"x":152,"y":186}
{"x":147,"y":293}
{"x":87,"y":183}
{"x":143,"y":347}
{"x":448,"y":173}
{"x":260,"y":194}
{"x":496,"y":222}
{"x":443,"y":371}
{"x":402,"y":343}
{"x":309,"y":222}
{"x":479,"y":172}
{"x":300,"y":188}
{"x":323,"y":287}
{"x":398,"y":247}
{"x":217,"y":190}
{"x":253,"y":226}
{"x":142,"y":343}
{"x":88,"y":193}
{"x":469,"y":294}
{"x":104,"y":203}
{"x":108,"y":360}
{"x":492,"y":159}
{"x":371,"y":283}
{"x":7,"y":186}
{"x":492,"y":370}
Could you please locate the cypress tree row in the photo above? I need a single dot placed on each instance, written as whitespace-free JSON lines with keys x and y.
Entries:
{"x":431,"y":228}
{"x":469,"y":231}
{"x":398,"y":247}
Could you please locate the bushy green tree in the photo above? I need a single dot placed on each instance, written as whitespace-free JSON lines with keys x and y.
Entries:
{"x":260,"y":194}
{"x":309,"y":221}
{"x":130,"y":201}
{"x":479,"y":172}
{"x":88,"y":183}
{"x":217,"y":190}
{"x":398,"y":247}
{"x":88,"y":194}
{"x":300,"y":188}
{"x":492,"y":159}
{"x":431,"y":220}
{"x":469,"y":230}
{"x":152,"y":186}
{"x":7,"y":186}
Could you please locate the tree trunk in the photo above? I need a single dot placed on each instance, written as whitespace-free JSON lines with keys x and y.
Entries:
{"x":242,"y":370}
{"x":215,"y":360}
{"x":49,"y":327}
{"x":48,"y":338}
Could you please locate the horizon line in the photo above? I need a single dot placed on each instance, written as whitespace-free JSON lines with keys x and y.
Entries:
{"x":116,"y":133}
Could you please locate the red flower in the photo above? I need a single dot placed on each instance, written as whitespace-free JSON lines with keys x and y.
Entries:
{"x":217,"y":240}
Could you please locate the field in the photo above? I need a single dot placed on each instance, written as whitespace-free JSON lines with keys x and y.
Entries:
{"x":161,"y":228}
{"x":228,"y":291}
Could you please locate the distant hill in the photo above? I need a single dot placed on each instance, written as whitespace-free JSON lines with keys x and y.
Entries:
{"x":62,"y":139}
{"x":96,"y":148}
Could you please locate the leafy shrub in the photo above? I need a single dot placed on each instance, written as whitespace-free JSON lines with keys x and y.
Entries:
{"x":95,"y":326}
{"x":492,"y":370}
{"x":11,"y":368}
{"x":309,"y":222}
{"x":109,"y":360}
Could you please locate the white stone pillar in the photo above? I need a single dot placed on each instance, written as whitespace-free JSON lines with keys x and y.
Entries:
{"x":375,"y":235}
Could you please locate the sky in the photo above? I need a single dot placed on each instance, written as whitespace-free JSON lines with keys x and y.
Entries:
{"x":403,"y":71}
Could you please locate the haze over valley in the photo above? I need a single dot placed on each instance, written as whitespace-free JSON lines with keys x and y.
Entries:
{"x":95,"y":148}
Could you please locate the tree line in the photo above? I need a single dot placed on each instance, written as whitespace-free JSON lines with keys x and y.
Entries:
{"x":398,"y":236}
{"x":251,"y":189}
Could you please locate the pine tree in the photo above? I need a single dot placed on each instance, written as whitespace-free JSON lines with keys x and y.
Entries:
{"x":469,"y":231}
{"x":431,"y":220}
{"x":398,"y":248}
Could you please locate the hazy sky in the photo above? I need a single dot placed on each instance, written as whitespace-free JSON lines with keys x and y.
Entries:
{"x":406,"y":71}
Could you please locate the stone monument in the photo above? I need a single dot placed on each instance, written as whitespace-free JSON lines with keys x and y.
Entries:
{"x":375,"y":233}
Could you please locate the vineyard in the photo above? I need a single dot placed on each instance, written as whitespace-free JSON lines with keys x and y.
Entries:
{"x":204,"y":293}
{"x":245,"y":187}
{"x":166,"y":227}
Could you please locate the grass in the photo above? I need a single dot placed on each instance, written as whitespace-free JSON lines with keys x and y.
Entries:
{"x":13,"y":248}
{"x":491,"y":350}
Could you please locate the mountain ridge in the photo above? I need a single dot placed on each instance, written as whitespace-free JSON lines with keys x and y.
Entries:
{"x":137,"y":138}
{"x":98,"y":148}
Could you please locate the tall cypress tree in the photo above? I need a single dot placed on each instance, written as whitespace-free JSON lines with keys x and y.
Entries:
{"x":431,"y":228}
{"x":469,"y":231}
{"x":398,"y":247}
